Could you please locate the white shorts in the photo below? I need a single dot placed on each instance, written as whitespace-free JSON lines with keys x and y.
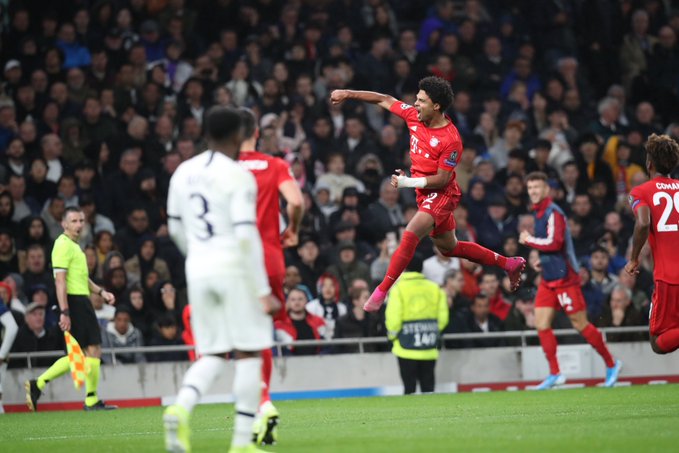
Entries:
{"x":226,"y":315}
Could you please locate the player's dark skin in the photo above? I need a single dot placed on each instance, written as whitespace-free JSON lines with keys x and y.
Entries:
{"x":431,"y":116}
{"x":642,"y":228}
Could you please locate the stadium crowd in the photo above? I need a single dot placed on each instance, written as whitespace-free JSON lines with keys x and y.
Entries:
{"x":102,"y":100}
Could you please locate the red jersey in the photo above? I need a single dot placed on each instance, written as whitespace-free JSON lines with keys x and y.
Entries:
{"x":661,"y":195}
{"x":431,"y":148}
{"x":270,"y":172}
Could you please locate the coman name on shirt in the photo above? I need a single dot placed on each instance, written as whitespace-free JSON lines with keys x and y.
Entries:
{"x":665,"y":186}
{"x":254,"y":165}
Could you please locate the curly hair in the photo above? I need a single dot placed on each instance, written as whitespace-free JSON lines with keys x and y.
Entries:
{"x":663,"y":152}
{"x":438,"y":90}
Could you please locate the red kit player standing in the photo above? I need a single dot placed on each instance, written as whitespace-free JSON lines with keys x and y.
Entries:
{"x":273,"y":179}
{"x":435,"y":150}
{"x":656,"y":206}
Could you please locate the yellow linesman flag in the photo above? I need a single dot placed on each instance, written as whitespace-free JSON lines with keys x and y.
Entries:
{"x":76,"y":360}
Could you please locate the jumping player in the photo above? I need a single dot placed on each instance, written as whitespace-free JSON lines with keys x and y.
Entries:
{"x":559,"y":287}
{"x":656,"y":207}
{"x":435,"y":150}
{"x":273,"y":178}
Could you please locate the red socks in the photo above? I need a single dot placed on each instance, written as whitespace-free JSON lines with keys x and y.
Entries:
{"x":267,"y":365}
{"x":402,"y":256}
{"x":548,"y":343}
{"x":481,"y":255}
{"x":668,"y":341}
{"x":594,"y":338}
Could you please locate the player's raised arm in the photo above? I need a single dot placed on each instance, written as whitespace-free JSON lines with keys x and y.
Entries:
{"x":642,"y":228}
{"x":383,"y":100}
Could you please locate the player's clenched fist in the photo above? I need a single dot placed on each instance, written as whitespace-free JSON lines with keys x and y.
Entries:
{"x":338,"y":96}
{"x":270,"y":304}
{"x":395,"y":178}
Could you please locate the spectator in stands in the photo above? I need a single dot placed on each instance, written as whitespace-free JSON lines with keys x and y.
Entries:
{"x":166,"y":334}
{"x":621,"y":312}
{"x":120,"y":333}
{"x":490,"y":287}
{"x":37,"y":272}
{"x":9,"y":261}
{"x":33,"y":337}
{"x":522,"y":316}
{"x":348,"y":267}
{"x":438,"y":266}
{"x":308,"y":262}
{"x":495,"y":224}
{"x":601,"y":277}
{"x":140,"y":315}
{"x":300,"y":325}
{"x":328,"y":304}
{"x":636,"y":47}
{"x":357,"y":323}
{"x":336,"y":179}
{"x":385,"y":214}
{"x":23,"y":206}
{"x":479,"y":319}
{"x":128,"y":238}
{"x":33,"y":230}
{"x":145,"y":260}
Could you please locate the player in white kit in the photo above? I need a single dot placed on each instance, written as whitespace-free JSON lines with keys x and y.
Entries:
{"x":212,"y":219}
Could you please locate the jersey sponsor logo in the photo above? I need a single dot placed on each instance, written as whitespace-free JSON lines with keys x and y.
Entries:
{"x":434,"y":142}
{"x":665,"y":186}
{"x":452,"y":159}
{"x":254,"y":165}
{"x":405,"y":106}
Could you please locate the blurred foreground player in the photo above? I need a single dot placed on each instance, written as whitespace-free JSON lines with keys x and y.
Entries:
{"x":273,"y":178}
{"x":656,"y":207}
{"x":435,"y":150}
{"x":212,"y":219}
{"x":559,"y":287}
{"x":77,"y":316}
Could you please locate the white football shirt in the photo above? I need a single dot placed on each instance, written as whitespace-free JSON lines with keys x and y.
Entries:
{"x":210,"y":196}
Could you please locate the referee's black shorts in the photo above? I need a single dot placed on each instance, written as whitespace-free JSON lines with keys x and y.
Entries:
{"x":84,"y":324}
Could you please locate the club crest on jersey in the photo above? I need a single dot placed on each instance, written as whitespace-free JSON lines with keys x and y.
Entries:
{"x":405,"y":106}
{"x":434,"y":142}
{"x":452,"y":159}
{"x":633,"y":202}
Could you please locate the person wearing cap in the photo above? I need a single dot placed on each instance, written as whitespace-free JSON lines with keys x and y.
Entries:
{"x":33,"y":336}
{"x":416,"y":313}
{"x":349,"y":201}
{"x":13,"y":74}
{"x":8,"y":332}
{"x":495,"y":224}
{"x":560,"y":283}
{"x":348,"y":267}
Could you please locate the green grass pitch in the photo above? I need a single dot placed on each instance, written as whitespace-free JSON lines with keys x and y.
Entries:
{"x":639,"y":418}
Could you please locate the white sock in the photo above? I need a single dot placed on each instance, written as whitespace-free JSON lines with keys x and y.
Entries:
{"x":198,"y":379}
{"x":247,"y":390}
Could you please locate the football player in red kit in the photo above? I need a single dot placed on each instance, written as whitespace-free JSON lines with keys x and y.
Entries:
{"x":274,"y":179}
{"x":435,"y":150}
{"x":656,"y":206}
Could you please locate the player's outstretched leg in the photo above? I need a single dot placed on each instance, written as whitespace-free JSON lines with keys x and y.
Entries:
{"x":402,"y":256}
{"x":264,"y":428}
{"x":514,"y":266}
{"x":247,"y":392}
{"x":197,"y":381}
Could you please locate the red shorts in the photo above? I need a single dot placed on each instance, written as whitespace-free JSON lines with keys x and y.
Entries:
{"x":440,"y":206}
{"x":567,"y":298}
{"x":276,"y":284}
{"x":664,"y":313}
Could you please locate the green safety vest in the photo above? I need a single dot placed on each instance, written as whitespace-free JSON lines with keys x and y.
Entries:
{"x":417,"y":312}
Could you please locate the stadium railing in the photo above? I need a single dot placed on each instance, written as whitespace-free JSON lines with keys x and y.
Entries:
{"x":523,"y":335}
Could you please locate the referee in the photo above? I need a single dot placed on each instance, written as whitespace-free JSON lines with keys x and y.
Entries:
{"x":77,"y":315}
